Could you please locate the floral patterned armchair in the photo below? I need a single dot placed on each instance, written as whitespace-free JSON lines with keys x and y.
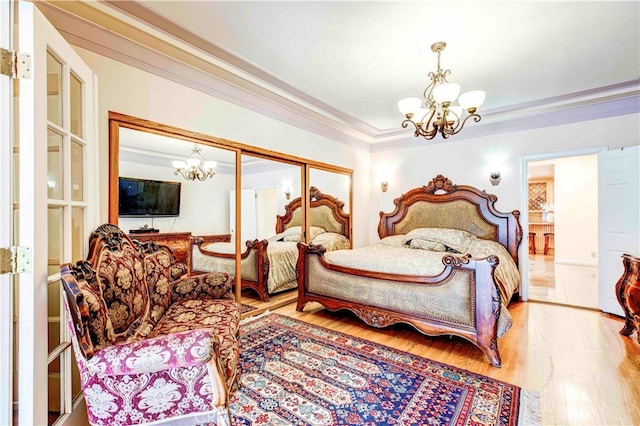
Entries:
{"x":152,"y":344}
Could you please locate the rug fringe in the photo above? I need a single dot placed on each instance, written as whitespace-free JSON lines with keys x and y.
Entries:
{"x":529,"y":408}
{"x":254,"y":317}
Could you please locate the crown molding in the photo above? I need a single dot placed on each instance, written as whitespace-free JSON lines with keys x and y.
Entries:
{"x":129,"y":32}
{"x":99,"y":32}
{"x":601,"y":103}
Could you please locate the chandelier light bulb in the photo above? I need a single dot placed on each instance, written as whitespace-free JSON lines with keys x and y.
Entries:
{"x":193,"y":162}
{"x":210,"y":165}
{"x":179,"y":164}
{"x":447,"y":92}
{"x":472,"y":100}
{"x":409,"y":106}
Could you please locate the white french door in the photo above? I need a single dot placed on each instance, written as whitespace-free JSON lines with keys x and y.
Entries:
{"x":618,"y":219}
{"x":56,"y":193}
{"x":6,"y":220}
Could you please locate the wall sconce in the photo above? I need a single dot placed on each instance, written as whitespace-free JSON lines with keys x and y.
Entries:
{"x":495,"y":178}
{"x":287,"y":192}
{"x":384,"y":185}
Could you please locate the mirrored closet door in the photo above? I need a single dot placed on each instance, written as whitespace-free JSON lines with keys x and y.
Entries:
{"x":269,"y":237}
{"x":242,"y":211}
{"x":159,"y":192}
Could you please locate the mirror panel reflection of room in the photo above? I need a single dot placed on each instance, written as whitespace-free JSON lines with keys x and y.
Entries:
{"x":183,"y":207}
{"x":336,"y":184}
{"x":199,"y":225}
{"x":268,"y":262}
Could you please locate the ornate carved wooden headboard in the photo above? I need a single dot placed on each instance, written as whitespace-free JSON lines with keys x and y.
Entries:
{"x":441,"y":204}
{"x":325,"y":210}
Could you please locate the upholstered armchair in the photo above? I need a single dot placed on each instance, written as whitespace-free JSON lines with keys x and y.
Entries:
{"x":152,"y":344}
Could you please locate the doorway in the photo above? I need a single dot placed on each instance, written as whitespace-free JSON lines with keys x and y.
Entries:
{"x":562,"y":222}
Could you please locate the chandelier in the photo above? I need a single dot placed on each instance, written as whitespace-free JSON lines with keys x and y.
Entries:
{"x":440,"y":115}
{"x":195,"y":167}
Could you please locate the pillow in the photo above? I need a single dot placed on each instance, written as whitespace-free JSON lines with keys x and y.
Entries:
{"x":393,"y":241}
{"x":455,"y":239}
{"x":332,"y":241}
{"x":419,"y":243}
{"x":294,"y":234}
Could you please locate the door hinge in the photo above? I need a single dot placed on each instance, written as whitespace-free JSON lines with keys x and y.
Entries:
{"x":15,"y":64}
{"x":15,"y":259}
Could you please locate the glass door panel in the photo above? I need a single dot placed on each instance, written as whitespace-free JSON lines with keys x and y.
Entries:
{"x":75,"y":101}
{"x":55,"y":226}
{"x":55,"y":158}
{"x":78,"y":234}
{"x":77,"y":171}
{"x":54,"y":85}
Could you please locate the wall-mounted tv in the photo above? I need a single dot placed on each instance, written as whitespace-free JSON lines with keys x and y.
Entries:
{"x":151,"y":198}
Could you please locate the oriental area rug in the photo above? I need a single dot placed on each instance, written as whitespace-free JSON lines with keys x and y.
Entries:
{"x":295,"y":373}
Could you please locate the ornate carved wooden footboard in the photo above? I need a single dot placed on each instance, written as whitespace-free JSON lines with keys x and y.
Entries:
{"x":463,"y":300}
{"x":337,"y":287}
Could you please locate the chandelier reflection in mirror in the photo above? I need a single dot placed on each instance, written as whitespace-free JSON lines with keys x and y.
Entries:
{"x":436,"y":113}
{"x":195,"y":166}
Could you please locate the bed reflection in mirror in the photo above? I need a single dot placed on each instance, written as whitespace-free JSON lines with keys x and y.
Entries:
{"x":338,"y":186}
{"x":268,"y":256}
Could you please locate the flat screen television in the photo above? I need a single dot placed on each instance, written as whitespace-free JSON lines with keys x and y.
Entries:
{"x":150,"y":198}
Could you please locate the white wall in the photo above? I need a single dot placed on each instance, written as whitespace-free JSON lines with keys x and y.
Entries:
{"x":127,"y":90}
{"x":576,"y":210}
{"x":470,"y":161}
{"x":204,"y":207}
{"x":276,"y":178}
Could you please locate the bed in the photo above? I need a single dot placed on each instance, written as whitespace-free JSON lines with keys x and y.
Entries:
{"x":450,"y":267}
{"x":268,"y":266}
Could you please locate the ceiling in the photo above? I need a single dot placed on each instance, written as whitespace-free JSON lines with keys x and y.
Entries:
{"x":350,"y":62}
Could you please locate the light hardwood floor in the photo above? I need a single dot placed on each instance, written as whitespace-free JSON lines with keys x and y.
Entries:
{"x":586,"y":373}
{"x":575,"y":285}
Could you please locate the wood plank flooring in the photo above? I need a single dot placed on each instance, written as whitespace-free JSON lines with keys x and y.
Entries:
{"x":566,"y":284}
{"x":586,"y":373}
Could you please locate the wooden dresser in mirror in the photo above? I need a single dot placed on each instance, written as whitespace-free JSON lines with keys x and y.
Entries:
{"x":179,"y":242}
